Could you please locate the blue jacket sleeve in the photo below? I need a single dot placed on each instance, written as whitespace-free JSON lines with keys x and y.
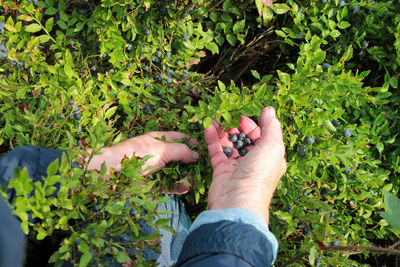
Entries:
{"x":35,"y":159}
{"x":12,"y":239}
{"x":226,"y":243}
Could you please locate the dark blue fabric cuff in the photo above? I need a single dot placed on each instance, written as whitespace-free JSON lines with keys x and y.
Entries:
{"x":227,"y":237}
{"x":35,"y":159}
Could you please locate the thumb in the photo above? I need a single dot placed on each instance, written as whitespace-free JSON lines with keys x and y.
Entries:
{"x":271,"y":132}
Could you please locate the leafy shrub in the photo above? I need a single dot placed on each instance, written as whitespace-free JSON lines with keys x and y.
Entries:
{"x":328,"y":68}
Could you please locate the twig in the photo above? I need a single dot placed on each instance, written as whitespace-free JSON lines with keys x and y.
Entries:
{"x":388,"y":250}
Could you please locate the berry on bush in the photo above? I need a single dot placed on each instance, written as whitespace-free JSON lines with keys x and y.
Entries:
{"x":336,"y":123}
{"x":326,"y":66}
{"x":309,"y":140}
{"x":302,"y":153}
{"x":342,"y":3}
{"x":228,"y":151}
{"x":335,"y":243}
{"x":347,"y":132}
{"x":305,"y":230}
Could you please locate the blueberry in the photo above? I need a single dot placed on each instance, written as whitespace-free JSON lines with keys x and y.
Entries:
{"x":169,"y":80}
{"x":168,"y":54}
{"x":309,"y":140}
{"x":83,"y":12}
{"x":300,"y":36}
{"x":3,"y":49}
{"x":233,"y":138}
{"x":326,"y":66}
{"x":142,"y":48}
{"x":364,"y":43}
{"x":336,"y":123}
{"x":77,"y":116}
{"x":228,"y":151}
{"x":324,"y":192}
{"x":184,"y":74}
{"x":156,"y":60}
{"x":347,"y":132}
{"x":307,"y":110}
{"x":104,"y":55}
{"x":96,"y":208}
{"x":238,"y":144}
{"x":146,"y":32}
{"x":333,"y":214}
{"x":129,"y":48}
{"x":305,"y":230}
{"x":2,"y":55}
{"x":242,"y":151}
{"x":317,"y":262}
{"x":158,"y":53}
{"x":324,"y":1}
{"x":288,"y":209}
{"x":347,"y":170}
{"x":241,"y":136}
{"x":247,"y":141}
{"x":342,"y":3}
{"x":21,"y":64}
{"x":147,"y":84}
{"x":355,"y":9}
{"x":335,"y":243}
{"x":130,"y":65}
{"x":78,"y":242}
{"x":4,"y":77}
{"x":302,"y":153}
{"x":92,"y":233}
{"x":111,"y":72}
{"x":79,"y":142}
{"x":130,"y":135}
{"x":147,"y":109}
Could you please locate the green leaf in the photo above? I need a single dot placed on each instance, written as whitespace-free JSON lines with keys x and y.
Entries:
{"x":231,"y":39}
{"x":335,"y":33}
{"x":34,"y":27}
{"x":226,"y":17}
{"x":280,"y":33}
{"x":213,"y":47}
{"x":51,"y":11}
{"x":49,"y":24}
{"x":280,"y":8}
{"x":121,"y":257}
{"x":239,"y":26}
{"x":343,"y":24}
{"x":85,"y":259}
{"x":392,"y":205}
{"x":255,"y":74}
{"x":393,"y":82}
{"x":110,"y":112}
{"x":207,"y":122}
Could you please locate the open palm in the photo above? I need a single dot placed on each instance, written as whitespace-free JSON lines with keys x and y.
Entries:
{"x":249,"y":181}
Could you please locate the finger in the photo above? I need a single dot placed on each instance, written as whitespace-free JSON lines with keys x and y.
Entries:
{"x":271,"y":132}
{"x":179,"y":152}
{"x":172,"y":136}
{"x":247,"y":125}
{"x":212,"y":140}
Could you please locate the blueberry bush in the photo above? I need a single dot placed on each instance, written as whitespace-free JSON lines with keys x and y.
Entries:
{"x":77,"y":75}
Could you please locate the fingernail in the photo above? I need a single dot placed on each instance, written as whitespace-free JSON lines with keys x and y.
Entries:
{"x":195,"y":155}
{"x":271,"y":111}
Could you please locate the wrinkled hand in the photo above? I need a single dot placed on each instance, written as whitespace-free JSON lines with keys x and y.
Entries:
{"x":162,"y":153}
{"x":250,"y":181}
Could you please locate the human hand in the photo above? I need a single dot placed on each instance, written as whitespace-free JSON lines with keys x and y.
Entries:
{"x":161,"y":152}
{"x":250,"y":181}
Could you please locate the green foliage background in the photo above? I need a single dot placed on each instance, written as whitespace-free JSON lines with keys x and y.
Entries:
{"x":136,"y":66}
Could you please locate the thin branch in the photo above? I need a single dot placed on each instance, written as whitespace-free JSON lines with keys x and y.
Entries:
{"x":388,"y":250}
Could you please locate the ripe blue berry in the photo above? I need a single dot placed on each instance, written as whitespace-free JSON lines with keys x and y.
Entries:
{"x":305,"y":230}
{"x":77,"y":116}
{"x":168,"y":54}
{"x":158,"y":53}
{"x":228,"y":151}
{"x":342,"y":3}
{"x":364,"y":43}
{"x":347,"y":170}
{"x":96,"y":208}
{"x":326,"y":66}
{"x":238,"y":144}
{"x":130,"y":135}
{"x":129,"y":48}
{"x":92,"y":233}
{"x":78,"y":242}
{"x":335,"y":243}
{"x":233,"y":138}
{"x":309,"y":140}
{"x":83,"y":12}
{"x":169,"y":80}
{"x":241,"y":136}
{"x":146,"y":32}
{"x":184,"y":75}
{"x":336,"y":123}
{"x":302,"y":153}
{"x":347,"y":132}
{"x":247,"y":141}
{"x":355,"y":9}
{"x":317,"y":262}
{"x":333,"y":214}
{"x":324,"y":192}
{"x":288,"y":209}
{"x":242,"y":151}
